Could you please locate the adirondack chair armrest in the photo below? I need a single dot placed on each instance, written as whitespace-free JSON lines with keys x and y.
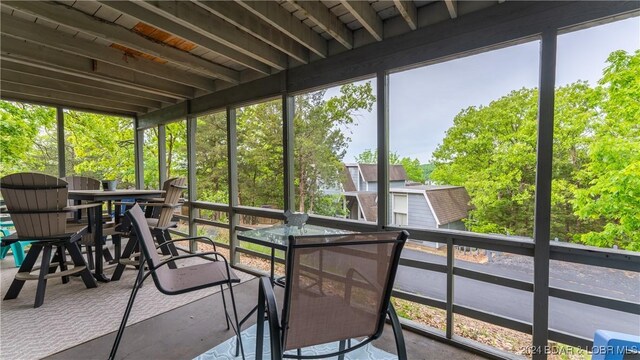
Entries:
{"x":160,"y":205}
{"x":82,"y":207}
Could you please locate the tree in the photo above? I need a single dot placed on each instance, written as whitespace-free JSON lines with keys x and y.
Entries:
{"x":320,"y":143}
{"x":613,"y":172}
{"x":28,"y":140}
{"x":491,"y":151}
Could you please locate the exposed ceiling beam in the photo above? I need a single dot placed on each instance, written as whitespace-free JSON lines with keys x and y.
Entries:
{"x":33,"y":32}
{"x":42,"y":56}
{"x":77,"y":20}
{"x":366,"y":16}
{"x":72,"y":105}
{"x":408,"y":11}
{"x":452,"y":7}
{"x":54,"y":96}
{"x":281,"y":19}
{"x":62,"y":86}
{"x":193,"y":17}
{"x":253,"y":25}
{"x":319,"y":14}
{"x":52,"y":74}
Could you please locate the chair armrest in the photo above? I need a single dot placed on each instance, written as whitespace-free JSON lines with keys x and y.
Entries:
{"x":160,"y":205}
{"x":125,"y":203}
{"x":267,"y":303}
{"x":180,"y":186}
{"x":203,"y":255}
{"x":82,"y":207}
{"x":202,"y":239}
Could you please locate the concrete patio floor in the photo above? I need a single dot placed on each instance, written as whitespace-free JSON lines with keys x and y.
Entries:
{"x":190,"y":330}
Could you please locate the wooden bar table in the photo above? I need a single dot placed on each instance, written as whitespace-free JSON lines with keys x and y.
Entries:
{"x":102,"y":196}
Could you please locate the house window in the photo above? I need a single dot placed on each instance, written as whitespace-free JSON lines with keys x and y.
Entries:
{"x":400,"y":209}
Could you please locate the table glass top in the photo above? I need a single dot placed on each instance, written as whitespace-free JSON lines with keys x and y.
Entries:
{"x":278,"y":235}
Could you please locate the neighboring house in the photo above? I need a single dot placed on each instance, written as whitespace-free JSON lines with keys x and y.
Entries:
{"x":410,"y":204}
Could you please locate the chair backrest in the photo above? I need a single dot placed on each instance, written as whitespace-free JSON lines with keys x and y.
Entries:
{"x":35,"y":203}
{"x":147,"y":245}
{"x":338,"y":286}
{"x":82,"y":183}
{"x":172,"y":190}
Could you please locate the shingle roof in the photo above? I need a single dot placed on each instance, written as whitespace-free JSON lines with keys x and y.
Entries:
{"x":449,"y":204}
{"x":370,"y":172}
{"x":368,"y":205}
{"x":347,"y":181}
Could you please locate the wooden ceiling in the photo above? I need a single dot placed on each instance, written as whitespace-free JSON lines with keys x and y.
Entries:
{"x":134,"y":57}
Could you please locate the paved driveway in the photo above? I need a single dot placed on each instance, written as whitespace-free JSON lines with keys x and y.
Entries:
{"x":566,"y":316}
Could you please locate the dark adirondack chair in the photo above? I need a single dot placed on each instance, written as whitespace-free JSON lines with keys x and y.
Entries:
{"x":338,"y":288}
{"x":108,"y":227}
{"x":159,"y":219}
{"x":37,"y":204}
{"x":214,"y":272}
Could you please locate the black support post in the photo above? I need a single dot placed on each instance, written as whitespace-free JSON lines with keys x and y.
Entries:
{"x":542,"y":216}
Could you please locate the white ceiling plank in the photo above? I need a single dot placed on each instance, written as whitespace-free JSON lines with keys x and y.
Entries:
{"x":408,"y":11}
{"x":51,"y":73}
{"x":284,"y":21}
{"x":366,"y":16}
{"x":321,"y":16}
{"x":38,"y":55}
{"x":56,"y":95}
{"x":70,"y":87}
{"x":201,"y":24}
{"x":253,"y":25}
{"x":452,"y":7}
{"x":82,"y":22}
{"x":55,"y":39}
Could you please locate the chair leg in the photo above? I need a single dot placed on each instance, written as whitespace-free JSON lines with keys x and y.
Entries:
{"x":117,"y":243}
{"x":63,"y":262}
{"x":235,"y":315}
{"x":42,"y":280}
{"x":397,"y":333}
{"x":341,"y":347}
{"x":224,"y":305}
{"x":127,"y":311}
{"x":27,"y":265}
{"x":18,"y":253}
{"x":78,"y":260}
{"x":126,"y":254}
{"x":90,"y":263}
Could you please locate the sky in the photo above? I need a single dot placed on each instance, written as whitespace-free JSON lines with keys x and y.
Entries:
{"x":424,"y":101}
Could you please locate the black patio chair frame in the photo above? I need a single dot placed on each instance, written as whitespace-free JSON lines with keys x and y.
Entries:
{"x":152,"y":268}
{"x":277,"y":328}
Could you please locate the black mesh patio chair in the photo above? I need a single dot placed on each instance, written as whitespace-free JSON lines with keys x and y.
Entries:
{"x":38,"y":207}
{"x":174,"y":281}
{"x":338,"y":288}
{"x":159,"y":218}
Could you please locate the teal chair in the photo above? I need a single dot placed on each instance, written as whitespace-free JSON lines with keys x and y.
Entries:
{"x":16,"y":248}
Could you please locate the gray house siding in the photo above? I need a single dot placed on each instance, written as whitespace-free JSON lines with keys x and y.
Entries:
{"x":362,"y":185}
{"x":419,"y":213}
{"x":396,"y":184}
{"x":456,"y":225}
{"x":355,"y":176}
{"x":373,"y":186}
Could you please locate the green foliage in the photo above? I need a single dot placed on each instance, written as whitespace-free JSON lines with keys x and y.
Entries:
{"x":491,"y":151}
{"x":613,"y":172}
{"x":27,"y":138}
{"x":99,"y":146}
{"x":427,"y":169}
{"x":320,"y":144}
{"x":211,"y":158}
